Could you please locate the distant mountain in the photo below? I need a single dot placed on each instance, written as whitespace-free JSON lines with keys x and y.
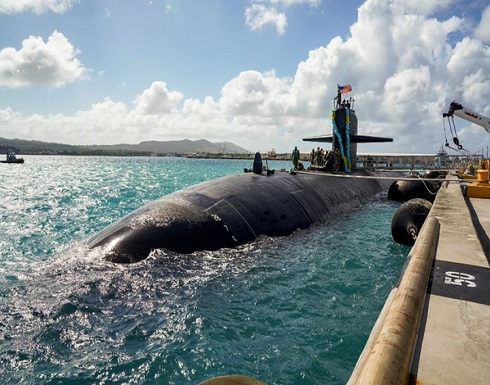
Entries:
{"x":34,"y":146}
{"x":184,"y":146}
{"x":178,"y":147}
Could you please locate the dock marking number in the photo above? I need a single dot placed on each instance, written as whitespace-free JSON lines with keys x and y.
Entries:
{"x":460,"y":281}
{"x":457,"y":278}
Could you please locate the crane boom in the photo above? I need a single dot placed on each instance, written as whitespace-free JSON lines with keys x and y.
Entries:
{"x":467,"y":114}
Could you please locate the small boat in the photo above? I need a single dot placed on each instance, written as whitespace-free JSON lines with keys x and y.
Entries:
{"x":12,"y":158}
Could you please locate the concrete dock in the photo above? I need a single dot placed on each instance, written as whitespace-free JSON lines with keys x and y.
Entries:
{"x":453,"y":346}
{"x":435,"y":326}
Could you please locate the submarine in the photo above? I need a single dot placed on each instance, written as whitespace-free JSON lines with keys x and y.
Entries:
{"x":237,"y":209}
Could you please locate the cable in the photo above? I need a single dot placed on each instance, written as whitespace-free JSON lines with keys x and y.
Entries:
{"x":383,"y":177}
{"x":427,"y":188}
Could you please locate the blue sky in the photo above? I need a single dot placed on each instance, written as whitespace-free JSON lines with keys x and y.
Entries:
{"x":259,"y":73}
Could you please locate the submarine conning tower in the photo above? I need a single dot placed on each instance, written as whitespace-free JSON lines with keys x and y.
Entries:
{"x":344,"y":137}
{"x":344,"y":125}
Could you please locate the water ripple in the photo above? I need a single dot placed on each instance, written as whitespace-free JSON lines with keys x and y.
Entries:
{"x":292,"y":310}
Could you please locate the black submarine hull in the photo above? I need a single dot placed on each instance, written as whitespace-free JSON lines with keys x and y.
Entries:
{"x":234,"y":210}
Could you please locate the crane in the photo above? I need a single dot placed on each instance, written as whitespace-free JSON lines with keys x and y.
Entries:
{"x":464,"y":113}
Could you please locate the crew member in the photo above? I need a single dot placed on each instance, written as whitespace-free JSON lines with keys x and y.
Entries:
{"x":295,"y":156}
{"x":312,"y":156}
{"x":319,"y":156}
{"x":471,"y":169}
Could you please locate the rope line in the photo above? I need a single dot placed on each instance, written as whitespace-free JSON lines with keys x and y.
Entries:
{"x":390,"y":177}
{"x":425,"y":185}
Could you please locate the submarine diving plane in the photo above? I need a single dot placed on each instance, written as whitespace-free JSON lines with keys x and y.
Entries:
{"x":236,"y":209}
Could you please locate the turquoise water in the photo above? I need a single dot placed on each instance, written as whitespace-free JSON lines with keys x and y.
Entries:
{"x":292,"y":310}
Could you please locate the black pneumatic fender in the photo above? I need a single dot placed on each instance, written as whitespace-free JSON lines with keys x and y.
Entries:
{"x":408,"y":220}
{"x":435,"y":174}
{"x":404,"y":190}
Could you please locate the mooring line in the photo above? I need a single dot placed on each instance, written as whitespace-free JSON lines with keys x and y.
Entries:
{"x":388,"y":177}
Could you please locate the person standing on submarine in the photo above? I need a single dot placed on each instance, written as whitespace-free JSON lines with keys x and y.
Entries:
{"x":295,"y":156}
{"x":319,"y":156}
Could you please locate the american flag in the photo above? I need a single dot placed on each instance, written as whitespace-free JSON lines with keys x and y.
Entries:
{"x":345,"y":88}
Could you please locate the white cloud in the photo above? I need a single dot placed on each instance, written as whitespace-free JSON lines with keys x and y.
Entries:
{"x":482,"y":32}
{"x":53,"y":63}
{"x":157,"y":100}
{"x":258,"y":15}
{"x":37,"y":6}
{"x":404,"y":89}
{"x":400,"y":61}
{"x":469,"y":56}
{"x":476,"y":88}
{"x":253,"y":92}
